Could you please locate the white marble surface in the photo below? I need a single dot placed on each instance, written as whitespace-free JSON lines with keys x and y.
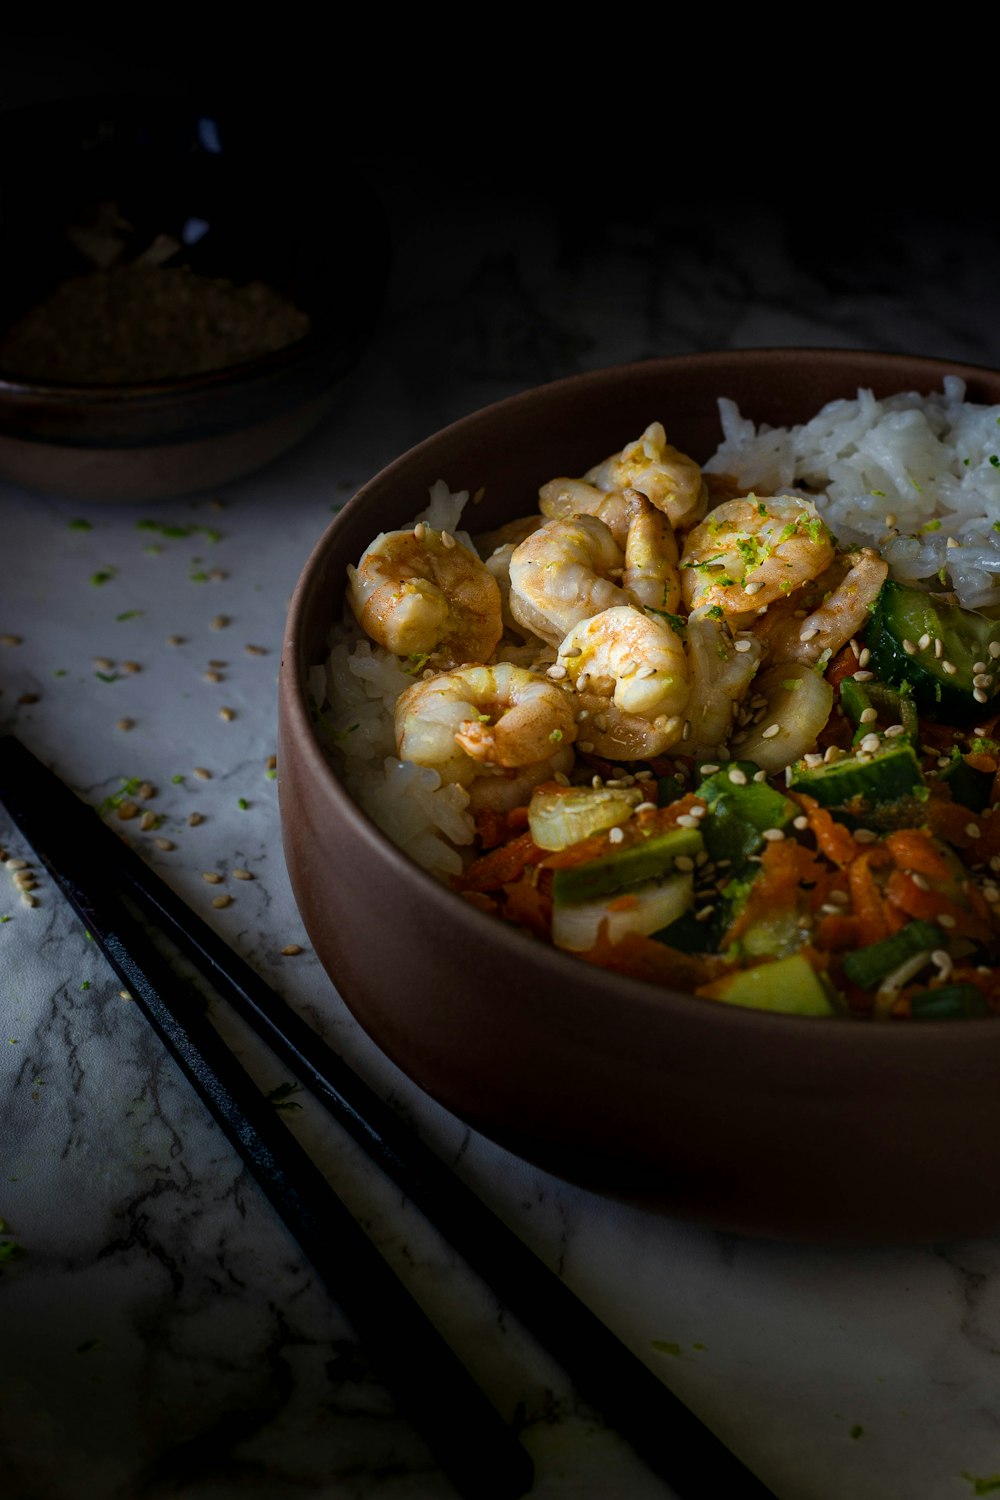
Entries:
{"x":161,"y":1334}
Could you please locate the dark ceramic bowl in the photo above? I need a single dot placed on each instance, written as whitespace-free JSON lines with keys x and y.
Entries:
{"x":247,"y":199}
{"x":768,"y":1125}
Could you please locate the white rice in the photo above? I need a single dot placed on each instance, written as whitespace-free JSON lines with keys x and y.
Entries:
{"x":916,"y":477}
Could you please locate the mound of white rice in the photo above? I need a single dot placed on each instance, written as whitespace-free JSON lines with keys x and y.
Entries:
{"x":917,"y":477}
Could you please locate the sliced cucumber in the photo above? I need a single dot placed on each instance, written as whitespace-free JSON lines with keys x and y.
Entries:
{"x":624,"y":866}
{"x":740,"y":809}
{"x":890,"y":775}
{"x":560,"y":818}
{"x":643,"y":909}
{"x":789,"y":986}
{"x":942,"y":678}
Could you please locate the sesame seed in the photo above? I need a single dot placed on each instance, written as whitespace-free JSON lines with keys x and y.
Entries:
{"x":124,"y":995}
{"x":686,"y":731}
{"x":737,"y":777}
{"x":808,"y":631}
{"x":175,"y":640}
{"x":125,"y":725}
{"x":862,"y":676}
{"x":419,"y":531}
{"x":195,"y":818}
{"x":25,"y":880}
{"x":148,"y":821}
{"x":709,"y":769}
{"x":800,"y":822}
{"x":945,"y":919}
{"x":684,"y":863}
{"x":556,"y":673}
{"x":103,"y":663}
{"x":909,"y":648}
{"x":213,"y":676}
{"x":131,"y":666}
{"x":742,"y":645}
{"x":982,"y":678}
{"x":165,"y":844}
{"x":211,"y":876}
{"x":704,"y":914}
{"x":127,"y":811}
{"x":949,"y":667}
{"x":979,"y":666}
{"x":222,"y":900}
{"x":616,"y":835}
{"x":760,"y":776}
{"x":17,"y":864}
{"x":865,"y":657}
{"x":994,"y":649}
{"x":771,"y":731}
{"x":869,"y":716}
{"x":864,"y":836}
{"x":586,"y":746}
{"x":890,"y":518}
{"x":291,"y":949}
{"x":645,"y":807}
{"x":979,"y":695}
{"x":938,"y":647}
{"x":952,"y":541}
{"x":202,"y":774}
{"x":972,"y":830}
{"x":920,"y":881}
{"x":28,"y":899}
{"x":840,"y":898}
{"x":11,"y":640}
{"x":924,"y":641}
{"x":699,"y":810}
{"x":687,"y":821}
{"x":271,"y":763}
{"x":646,"y":672}
{"x":773,"y":835}
{"x":894,"y":731}
{"x":220,"y":622}
{"x":229,"y":714}
{"x":752,"y":588}
{"x":252,"y":650}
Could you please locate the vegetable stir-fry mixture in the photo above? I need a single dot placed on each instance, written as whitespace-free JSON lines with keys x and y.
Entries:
{"x":697,"y":739}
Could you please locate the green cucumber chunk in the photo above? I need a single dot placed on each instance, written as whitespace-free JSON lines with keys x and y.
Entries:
{"x":889,"y":775}
{"x":867,"y":967}
{"x":951,"y":1002}
{"x":942,"y":684}
{"x":788,"y":986}
{"x":624,"y":866}
{"x":739,"y":811}
{"x":891,"y":707}
{"x":969,"y":787}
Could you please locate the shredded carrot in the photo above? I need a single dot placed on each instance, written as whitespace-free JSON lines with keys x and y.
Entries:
{"x":786,"y":866}
{"x":645,"y":958}
{"x":915,"y":849}
{"x":931,"y":905}
{"x":866,"y":896}
{"x":528,"y":903}
{"x":500,"y":866}
{"x":832,"y":838}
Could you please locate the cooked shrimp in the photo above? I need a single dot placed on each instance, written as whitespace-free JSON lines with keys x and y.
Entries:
{"x":748,"y":553}
{"x":667,"y":477}
{"x":644,"y":534}
{"x":630,"y":673}
{"x":563,"y":573}
{"x":721,"y":668}
{"x":846,"y":591}
{"x":422,"y":591}
{"x":491,"y":721}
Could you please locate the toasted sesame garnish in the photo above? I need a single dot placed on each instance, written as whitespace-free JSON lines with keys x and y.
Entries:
{"x":212,"y":676}
{"x":737,"y":776}
{"x":241,"y":874}
{"x":222,"y":900}
{"x":773,"y":835}
{"x":175,"y":640}
{"x":131,"y":666}
{"x":972,"y":830}
{"x":229,"y":714}
{"x":869,"y":716}
{"x":195,"y":818}
{"x":271,"y":763}
{"x":687,"y":821}
{"x":556,"y":672}
{"x":801,"y":822}
{"x":920,"y":881}
{"x":291,"y":949}
{"x":909,"y":648}
{"x":894,"y":731}
{"x":212,"y":877}
{"x":165,"y":844}
{"x":252,"y":650}
{"x":11,"y":640}
{"x":949,"y":667}
{"x":864,"y":836}
{"x":103,"y":663}
{"x":127,"y":810}
{"x":447,"y":540}
{"x":924,"y":642}
{"x":979,"y":695}
{"x":945,"y":919}
{"x":202,"y":773}
{"x":125,"y":725}
{"x":862,"y":676}
{"x":220,"y":622}
{"x":938,"y":647}
{"x":615,"y":835}
{"x":771,"y":731}
{"x":419,"y":531}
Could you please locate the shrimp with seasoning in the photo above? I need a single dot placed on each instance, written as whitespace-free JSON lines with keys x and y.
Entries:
{"x":721,"y":667}
{"x":422,"y":592}
{"x":496,"y":730}
{"x":630,"y":673}
{"x":666,"y":476}
{"x":837,"y":608}
{"x":644,"y":534}
{"x":747,"y":554}
{"x":565,"y":572}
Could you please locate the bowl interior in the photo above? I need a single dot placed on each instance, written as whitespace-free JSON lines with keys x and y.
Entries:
{"x":762,"y":1124}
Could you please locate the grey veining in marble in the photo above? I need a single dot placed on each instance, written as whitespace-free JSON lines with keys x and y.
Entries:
{"x":161,"y":1334}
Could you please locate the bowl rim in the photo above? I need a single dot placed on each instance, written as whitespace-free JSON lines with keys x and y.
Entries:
{"x":640,"y":993}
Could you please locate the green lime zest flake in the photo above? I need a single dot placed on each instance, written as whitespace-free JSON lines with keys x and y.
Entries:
{"x":996,"y":525}
{"x":879,"y":494}
{"x":198,"y":575}
{"x":857,"y":1431}
{"x":792,"y":685}
{"x":281,"y":1096}
{"x":414,"y":663}
{"x":60,"y":672}
{"x":982,"y":1484}
{"x":930,"y":526}
{"x":6,"y":918}
{"x":556,"y":735}
{"x":10,"y":1250}
{"x":174,"y":531}
{"x":102,"y":576}
{"x":995,"y":460}
{"x":129,"y":788}
{"x":243,"y":803}
{"x":665,"y":1346}
{"x":109,"y":676}
{"x":88,"y":1346}
{"x":271,"y":774}
{"x":85,"y":985}
{"x":177,"y":780}
{"x":129,"y":614}
{"x":80,"y":525}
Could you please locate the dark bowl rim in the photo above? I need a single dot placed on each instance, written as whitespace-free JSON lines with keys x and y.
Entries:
{"x":639,"y":993}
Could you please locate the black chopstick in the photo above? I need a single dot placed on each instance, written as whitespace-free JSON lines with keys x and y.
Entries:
{"x":466,"y":1434}
{"x":672,"y":1440}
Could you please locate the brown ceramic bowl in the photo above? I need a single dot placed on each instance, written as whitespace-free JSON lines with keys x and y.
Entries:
{"x":242,"y":197}
{"x":768,"y":1125}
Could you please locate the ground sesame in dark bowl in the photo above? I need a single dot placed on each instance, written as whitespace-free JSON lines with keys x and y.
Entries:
{"x":177,"y":306}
